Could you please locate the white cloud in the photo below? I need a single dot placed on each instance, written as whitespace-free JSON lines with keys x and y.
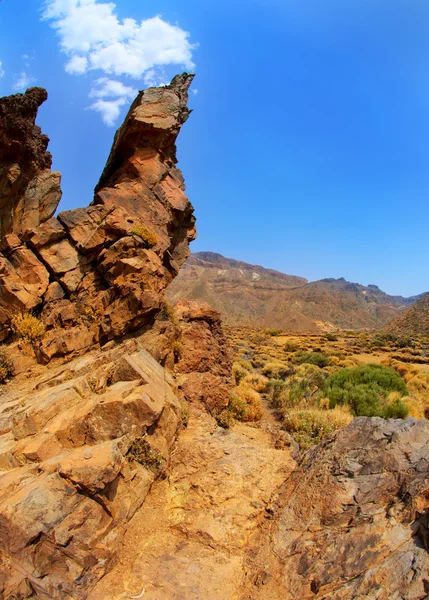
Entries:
{"x":111,"y":96}
{"x":22,"y":82}
{"x":109,"y":109}
{"x":195,"y":92}
{"x":1,"y":70}
{"x":94,"y":38}
{"x":105,"y":87}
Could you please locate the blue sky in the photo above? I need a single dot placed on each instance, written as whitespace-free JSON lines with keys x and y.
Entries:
{"x":308,"y":147}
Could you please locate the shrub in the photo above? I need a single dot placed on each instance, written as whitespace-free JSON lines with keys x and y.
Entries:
{"x":245,"y":404}
{"x":275,"y":369}
{"x":273,"y":332}
{"x":312,"y":358}
{"x":311,"y":425}
{"x":277,"y":392}
{"x":238,"y":372}
{"x":6,"y":367}
{"x":146,"y":234}
{"x":330,"y":337}
{"x":366,"y":388}
{"x":167,"y":313}
{"x":256,"y":381}
{"x":291,"y":346}
{"x":141,"y":451}
{"x":27,"y":326}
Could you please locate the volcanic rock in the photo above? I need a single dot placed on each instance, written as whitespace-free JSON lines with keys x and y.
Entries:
{"x":354,"y":522}
{"x":107,"y":266}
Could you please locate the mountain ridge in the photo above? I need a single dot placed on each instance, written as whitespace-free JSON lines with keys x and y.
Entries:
{"x":248,"y":294}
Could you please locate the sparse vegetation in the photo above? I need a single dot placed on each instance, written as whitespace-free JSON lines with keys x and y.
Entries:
{"x":327,"y":379}
{"x":27,"y":326}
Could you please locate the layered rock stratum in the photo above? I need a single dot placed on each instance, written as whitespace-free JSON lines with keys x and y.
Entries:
{"x":250,"y":295}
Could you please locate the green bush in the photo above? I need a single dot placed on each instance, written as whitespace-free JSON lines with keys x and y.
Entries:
{"x":365,"y":389}
{"x":312,"y":358}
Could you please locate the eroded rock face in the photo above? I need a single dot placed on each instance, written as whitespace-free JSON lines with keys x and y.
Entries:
{"x":354,"y":522}
{"x":93,"y":274}
{"x":80,"y":446}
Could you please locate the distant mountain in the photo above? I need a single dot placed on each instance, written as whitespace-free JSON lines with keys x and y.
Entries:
{"x":252,"y":295}
{"x":413,"y":321}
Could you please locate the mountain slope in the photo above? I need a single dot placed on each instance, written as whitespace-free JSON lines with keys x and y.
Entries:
{"x":414,"y":320}
{"x":252,"y":295}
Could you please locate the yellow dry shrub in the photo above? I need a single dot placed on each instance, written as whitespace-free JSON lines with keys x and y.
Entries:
{"x":256,"y":381}
{"x":238,"y":372}
{"x":245,"y":403}
{"x":27,"y":326}
{"x":347,"y":362}
{"x":416,"y":407}
{"x":146,"y":234}
{"x":311,"y":425}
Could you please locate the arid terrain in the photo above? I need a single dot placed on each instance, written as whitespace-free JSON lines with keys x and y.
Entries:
{"x":247,"y":294}
{"x":148,"y":451}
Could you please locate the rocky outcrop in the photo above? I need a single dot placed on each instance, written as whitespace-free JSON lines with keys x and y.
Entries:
{"x":29,"y":191}
{"x":204,"y":357}
{"x":80,"y":446}
{"x":353,"y":519}
{"x":93,"y":274}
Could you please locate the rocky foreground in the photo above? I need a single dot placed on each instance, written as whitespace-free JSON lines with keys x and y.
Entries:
{"x":115,"y":479}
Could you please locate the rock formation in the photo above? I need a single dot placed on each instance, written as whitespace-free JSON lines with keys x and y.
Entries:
{"x":204,"y":361}
{"x":93,"y":274}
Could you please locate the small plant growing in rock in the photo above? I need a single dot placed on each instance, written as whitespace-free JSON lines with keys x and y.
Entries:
{"x":6,"y":367}
{"x":167,"y":313}
{"x":141,"y":451}
{"x":146,"y":234}
{"x":27,"y":326}
{"x":177,"y":348}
